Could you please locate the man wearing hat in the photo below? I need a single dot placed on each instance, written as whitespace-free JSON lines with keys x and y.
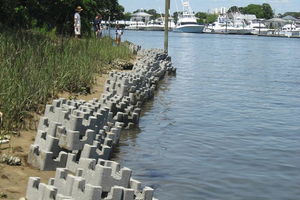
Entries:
{"x":77,"y":23}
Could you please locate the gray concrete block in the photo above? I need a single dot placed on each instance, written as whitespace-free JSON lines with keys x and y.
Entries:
{"x":39,"y":191}
{"x":70,"y":140}
{"x":44,"y":160}
{"x":91,"y":130}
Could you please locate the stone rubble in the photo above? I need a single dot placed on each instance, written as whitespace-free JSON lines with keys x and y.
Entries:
{"x":10,"y":160}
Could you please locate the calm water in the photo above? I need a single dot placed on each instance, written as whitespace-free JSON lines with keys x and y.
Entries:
{"x":227,"y":126}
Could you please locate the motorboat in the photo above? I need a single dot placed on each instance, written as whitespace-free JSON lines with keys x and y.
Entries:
{"x":239,"y":26}
{"x":221,"y":25}
{"x":154,"y":26}
{"x":136,"y":25}
{"x":171,"y":23}
{"x":258,"y":27}
{"x":289,"y":30}
{"x":138,"y":20}
{"x":187,"y":22}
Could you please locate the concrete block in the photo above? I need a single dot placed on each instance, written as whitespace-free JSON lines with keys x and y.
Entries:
{"x":70,"y":140}
{"x":44,"y":160}
{"x":39,"y":191}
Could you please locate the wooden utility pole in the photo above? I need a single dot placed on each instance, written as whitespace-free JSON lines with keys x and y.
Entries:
{"x":167,"y":8}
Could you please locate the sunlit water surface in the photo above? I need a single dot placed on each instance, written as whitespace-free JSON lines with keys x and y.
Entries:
{"x":227,"y":126}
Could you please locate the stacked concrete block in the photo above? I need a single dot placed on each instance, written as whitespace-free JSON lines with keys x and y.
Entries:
{"x":81,"y":136}
{"x":67,"y":127}
{"x":105,"y":180}
{"x":40,"y":191}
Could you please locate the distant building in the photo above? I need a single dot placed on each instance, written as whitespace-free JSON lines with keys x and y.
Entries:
{"x":140,"y":16}
{"x":220,"y":11}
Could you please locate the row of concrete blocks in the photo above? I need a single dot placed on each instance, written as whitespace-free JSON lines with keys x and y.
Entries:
{"x":131,"y":89}
{"x":72,"y":131}
{"x":83,"y":132}
{"x":69,"y":125}
{"x":104,"y":180}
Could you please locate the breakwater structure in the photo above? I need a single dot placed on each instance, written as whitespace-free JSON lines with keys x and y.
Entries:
{"x":76,"y":138}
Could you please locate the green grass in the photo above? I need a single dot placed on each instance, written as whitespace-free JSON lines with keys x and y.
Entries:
{"x":35,"y":67}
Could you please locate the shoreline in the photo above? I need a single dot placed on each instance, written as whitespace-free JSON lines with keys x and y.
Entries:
{"x":16,"y":177}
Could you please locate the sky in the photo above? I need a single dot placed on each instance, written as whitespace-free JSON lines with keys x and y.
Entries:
{"x":280,"y":6}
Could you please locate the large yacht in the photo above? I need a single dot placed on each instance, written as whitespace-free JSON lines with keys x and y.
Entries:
{"x":187,"y":22}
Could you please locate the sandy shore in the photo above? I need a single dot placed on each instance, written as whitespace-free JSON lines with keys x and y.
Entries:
{"x":14,"y":179}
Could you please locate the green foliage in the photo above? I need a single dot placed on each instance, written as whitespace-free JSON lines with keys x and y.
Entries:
{"x":56,"y":13}
{"x":35,"y":67}
{"x":254,"y":9}
{"x":127,"y":16}
{"x":201,"y":17}
{"x":235,"y":9}
{"x":268,"y":12}
{"x":211,"y":18}
{"x":261,"y":11}
{"x":154,"y":14}
{"x":175,"y":16}
{"x":294,"y":14}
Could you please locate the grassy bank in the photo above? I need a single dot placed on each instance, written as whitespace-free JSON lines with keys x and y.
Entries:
{"x":35,"y":67}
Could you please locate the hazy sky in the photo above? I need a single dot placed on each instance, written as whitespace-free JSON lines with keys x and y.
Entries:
{"x":280,"y":6}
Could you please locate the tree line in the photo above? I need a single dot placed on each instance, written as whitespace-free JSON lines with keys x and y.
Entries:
{"x":48,"y":14}
{"x":264,"y":11}
{"x":59,"y":14}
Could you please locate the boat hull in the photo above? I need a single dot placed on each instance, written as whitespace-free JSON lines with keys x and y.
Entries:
{"x":154,"y":28}
{"x":239,"y":31}
{"x":189,"y":29}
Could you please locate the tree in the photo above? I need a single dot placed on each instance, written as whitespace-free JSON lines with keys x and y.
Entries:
{"x":154,"y":14}
{"x":57,"y":14}
{"x":294,"y":14}
{"x":201,"y":17}
{"x":268,"y":12}
{"x":254,"y":9}
{"x":127,"y":16}
{"x":211,"y":18}
{"x":233,"y":9}
{"x":175,"y":16}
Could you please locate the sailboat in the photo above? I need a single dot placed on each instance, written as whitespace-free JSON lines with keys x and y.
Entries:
{"x":187,"y":22}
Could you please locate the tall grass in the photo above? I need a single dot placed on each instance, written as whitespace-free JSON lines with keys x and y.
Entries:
{"x":35,"y":67}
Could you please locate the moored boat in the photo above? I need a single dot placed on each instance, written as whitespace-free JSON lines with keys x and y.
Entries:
{"x":187,"y":22}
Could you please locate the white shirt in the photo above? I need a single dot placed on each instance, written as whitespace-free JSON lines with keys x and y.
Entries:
{"x":77,"y":16}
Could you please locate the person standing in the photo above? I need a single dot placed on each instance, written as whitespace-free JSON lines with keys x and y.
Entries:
{"x":100,"y":27}
{"x":96,"y":26}
{"x":119,"y":32}
{"x":77,"y":23}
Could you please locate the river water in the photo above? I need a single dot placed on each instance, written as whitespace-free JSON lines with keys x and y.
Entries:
{"x":227,"y":126}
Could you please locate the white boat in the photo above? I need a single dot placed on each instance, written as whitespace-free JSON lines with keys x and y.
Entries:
{"x":154,"y":26}
{"x":258,"y":27}
{"x":239,"y":26}
{"x":221,"y":25}
{"x":187,"y":22}
{"x":289,"y":30}
{"x":136,"y":25}
{"x":138,"y":19}
{"x":171,"y":23}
